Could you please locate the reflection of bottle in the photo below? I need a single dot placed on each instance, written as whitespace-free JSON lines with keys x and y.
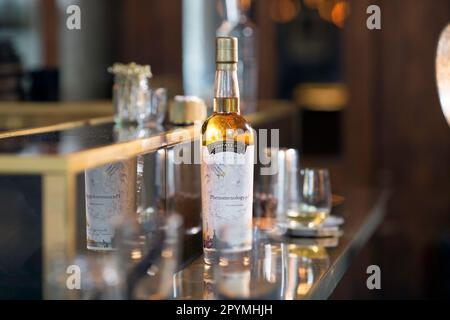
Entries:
{"x":110,"y":192}
{"x":241,"y":281}
{"x":227,"y":161}
{"x":238,"y":24}
{"x":209,"y":284}
{"x":234,"y":283}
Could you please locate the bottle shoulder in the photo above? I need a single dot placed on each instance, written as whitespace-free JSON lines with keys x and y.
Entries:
{"x":220,"y":126}
{"x":226,"y":121}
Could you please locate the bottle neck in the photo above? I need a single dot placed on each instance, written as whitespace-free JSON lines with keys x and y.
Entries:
{"x":226,"y":89}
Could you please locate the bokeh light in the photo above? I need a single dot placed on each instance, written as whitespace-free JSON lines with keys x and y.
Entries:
{"x":283,"y":11}
{"x":443,"y":71}
{"x":339,"y":13}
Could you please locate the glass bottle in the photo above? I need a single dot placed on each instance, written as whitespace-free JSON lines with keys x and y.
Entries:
{"x":226,"y":162}
{"x":237,"y":24}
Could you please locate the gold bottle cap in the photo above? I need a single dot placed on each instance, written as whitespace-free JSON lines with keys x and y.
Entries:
{"x":226,"y":50}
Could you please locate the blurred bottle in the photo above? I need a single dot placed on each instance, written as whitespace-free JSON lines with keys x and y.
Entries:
{"x":110,"y":193}
{"x":237,"y":24}
{"x":200,"y":20}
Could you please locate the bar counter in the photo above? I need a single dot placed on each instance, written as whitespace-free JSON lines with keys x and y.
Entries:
{"x":53,"y":157}
{"x":312,"y":267}
{"x":51,"y":160}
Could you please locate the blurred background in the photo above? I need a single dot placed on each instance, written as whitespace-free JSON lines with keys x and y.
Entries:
{"x":368,"y":98}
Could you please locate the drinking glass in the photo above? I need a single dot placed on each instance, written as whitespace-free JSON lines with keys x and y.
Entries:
{"x":315,"y":198}
{"x":276,"y":188}
{"x":153,"y":112}
{"x":265,"y":203}
{"x":159,"y":104}
{"x":131,"y":92}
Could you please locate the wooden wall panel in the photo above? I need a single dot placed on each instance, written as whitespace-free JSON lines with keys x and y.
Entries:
{"x":149,"y":32}
{"x":360,"y":57}
{"x":396,"y":135}
{"x":49,"y":35}
{"x":267,"y":46}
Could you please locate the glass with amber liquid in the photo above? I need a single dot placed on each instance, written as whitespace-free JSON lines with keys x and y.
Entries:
{"x":227,"y":163}
{"x":315,"y":198}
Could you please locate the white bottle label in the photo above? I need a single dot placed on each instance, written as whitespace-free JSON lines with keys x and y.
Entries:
{"x":227,"y":196}
{"x":109,"y":193}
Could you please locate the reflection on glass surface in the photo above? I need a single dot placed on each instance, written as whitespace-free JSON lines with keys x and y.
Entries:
{"x":142,"y":267}
{"x":305,"y":265}
{"x":66,"y":141}
{"x":125,"y":133}
{"x":195,"y":282}
{"x":151,"y":278}
{"x":209,"y":283}
{"x":111,"y":192}
{"x":284,"y":268}
{"x":256,"y":277}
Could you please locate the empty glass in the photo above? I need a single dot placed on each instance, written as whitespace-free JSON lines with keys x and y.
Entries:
{"x":133,"y":99}
{"x":315,"y":198}
{"x":131,"y":92}
{"x":150,"y":186}
{"x":276,"y":189}
{"x":265,"y":203}
{"x":155,"y":112}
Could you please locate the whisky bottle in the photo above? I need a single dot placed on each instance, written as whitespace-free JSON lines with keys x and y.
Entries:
{"x":226,"y":164}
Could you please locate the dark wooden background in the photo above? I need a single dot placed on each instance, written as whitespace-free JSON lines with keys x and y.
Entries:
{"x":396,"y":135}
